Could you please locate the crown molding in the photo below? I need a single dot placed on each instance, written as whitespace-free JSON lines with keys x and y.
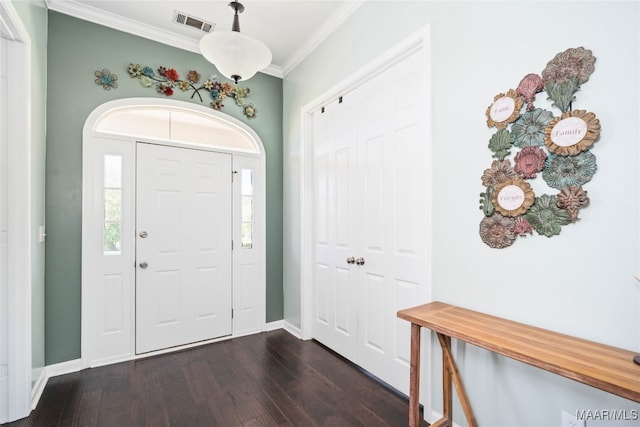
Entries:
{"x":92,"y":14}
{"x":347,"y":8}
{"x":117,"y":22}
{"x":273,"y":70}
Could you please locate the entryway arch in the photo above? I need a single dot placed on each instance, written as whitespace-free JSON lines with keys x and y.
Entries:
{"x":109,"y":236}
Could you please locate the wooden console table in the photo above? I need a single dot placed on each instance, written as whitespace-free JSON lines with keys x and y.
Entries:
{"x":601,"y":366}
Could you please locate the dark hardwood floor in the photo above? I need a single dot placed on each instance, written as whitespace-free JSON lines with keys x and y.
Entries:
{"x":269,"y":379}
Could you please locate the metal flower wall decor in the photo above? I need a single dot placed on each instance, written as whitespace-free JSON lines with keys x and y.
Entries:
{"x":106,"y":79}
{"x":166,"y":80}
{"x":553,"y":149}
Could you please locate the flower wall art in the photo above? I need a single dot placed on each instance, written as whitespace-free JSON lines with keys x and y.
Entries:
{"x":106,"y":79}
{"x":167,"y":80}
{"x":536,"y":144}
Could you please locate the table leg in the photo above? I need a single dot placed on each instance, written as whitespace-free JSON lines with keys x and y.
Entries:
{"x":450,"y":366}
{"x":414,"y":377}
{"x":447,"y":395}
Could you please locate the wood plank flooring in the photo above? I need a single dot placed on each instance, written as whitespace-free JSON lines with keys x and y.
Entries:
{"x":268,"y":379}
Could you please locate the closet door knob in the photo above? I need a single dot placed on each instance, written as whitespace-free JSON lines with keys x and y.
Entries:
{"x":143,"y":264}
{"x":351,"y":260}
{"x":360,"y":261}
{"x":143,"y":234}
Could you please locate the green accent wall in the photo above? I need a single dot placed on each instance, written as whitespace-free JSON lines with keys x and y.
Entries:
{"x":76,"y":50}
{"x":33,"y":15}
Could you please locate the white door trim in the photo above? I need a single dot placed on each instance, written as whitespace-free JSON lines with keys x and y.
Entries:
{"x":420,"y":41}
{"x":19,"y":211}
{"x":97,"y":143}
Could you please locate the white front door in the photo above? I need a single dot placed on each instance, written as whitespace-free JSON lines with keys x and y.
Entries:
{"x":183,"y":246}
{"x":371,"y":191}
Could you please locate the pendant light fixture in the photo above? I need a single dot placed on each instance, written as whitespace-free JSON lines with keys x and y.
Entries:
{"x":235,"y":55}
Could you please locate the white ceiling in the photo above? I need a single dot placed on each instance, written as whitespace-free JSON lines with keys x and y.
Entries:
{"x":290,"y":28}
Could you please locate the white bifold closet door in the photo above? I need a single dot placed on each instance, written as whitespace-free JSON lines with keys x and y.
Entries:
{"x":370,"y":233}
{"x":183,"y":246}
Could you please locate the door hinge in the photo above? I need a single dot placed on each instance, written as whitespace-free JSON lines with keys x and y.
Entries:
{"x":232,"y":245}
{"x":232,"y":313}
{"x":233,"y":175}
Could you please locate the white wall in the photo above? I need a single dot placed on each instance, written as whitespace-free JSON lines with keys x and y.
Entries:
{"x":580,"y":282}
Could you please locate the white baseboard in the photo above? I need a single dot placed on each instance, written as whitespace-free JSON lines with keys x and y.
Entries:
{"x":292,"y":329}
{"x":47,"y":372}
{"x":38,"y":386}
{"x":63,"y":368}
{"x":272,"y":326}
{"x":108,"y":361}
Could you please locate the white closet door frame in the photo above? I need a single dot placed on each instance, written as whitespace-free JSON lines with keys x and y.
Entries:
{"x":18,"y":133}
{"x":420,"y":41}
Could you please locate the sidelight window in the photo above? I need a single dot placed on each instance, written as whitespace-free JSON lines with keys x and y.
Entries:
{"x":247,"y":208}
{"x":112,"y":203}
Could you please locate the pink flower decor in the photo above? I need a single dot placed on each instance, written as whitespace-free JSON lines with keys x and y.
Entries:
{"x":522,"y":227}
{"x":528,"y":87}
{"x":529,"y":161}
{"x":193,"y":76}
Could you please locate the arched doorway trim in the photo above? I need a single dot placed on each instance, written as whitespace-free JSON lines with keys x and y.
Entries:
{"x":110,"y":136}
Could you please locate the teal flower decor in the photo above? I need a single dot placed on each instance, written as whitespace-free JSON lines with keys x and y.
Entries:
{"x":562,"y":171}
{"x":105,"y":79}
{"x":546,"y":217}
{"x":528,"y":130}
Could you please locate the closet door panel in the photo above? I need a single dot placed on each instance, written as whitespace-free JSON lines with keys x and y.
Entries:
{"x":370,"y":181}
{"x":335,"y":323}
{"x":391,"y":142}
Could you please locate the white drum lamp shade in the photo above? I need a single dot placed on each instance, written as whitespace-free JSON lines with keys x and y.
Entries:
{"x":236,"y":56}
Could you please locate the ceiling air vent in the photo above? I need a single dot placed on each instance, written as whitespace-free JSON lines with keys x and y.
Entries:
{"x":193,"y":22}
